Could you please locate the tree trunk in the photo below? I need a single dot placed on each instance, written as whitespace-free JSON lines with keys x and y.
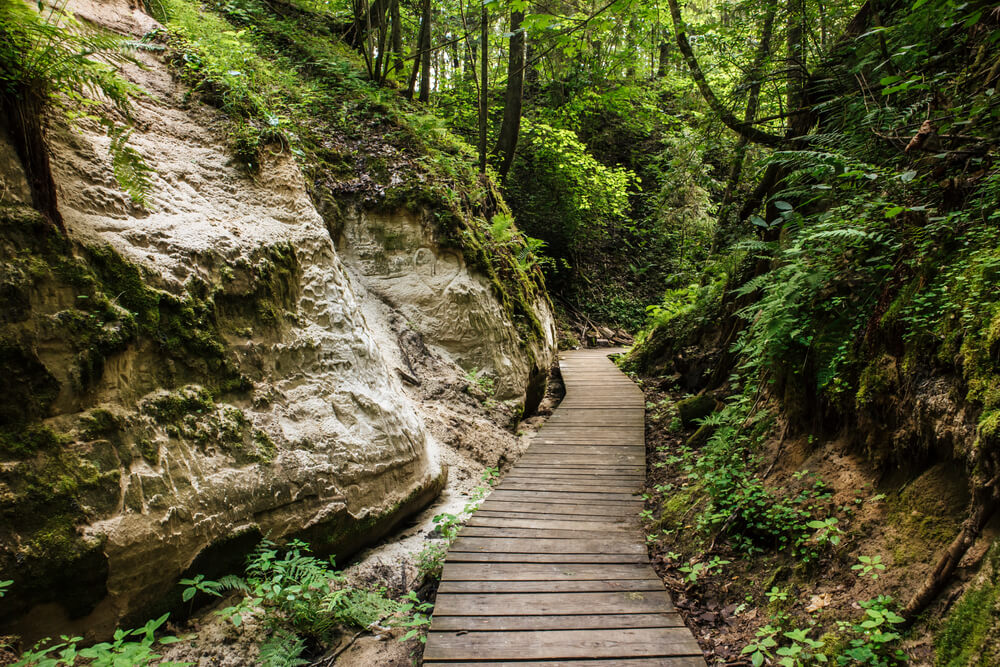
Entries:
{"x":23,"y":114}
{"x":425,"y":54}
{"x":396,"y":38}
{"x":511,"y":126}
{"x":798,"y":72}
{"x":724,"y":114}
{"x":383,"y":36}
{"x":755,"y":77}
{"x":661,"y":66}
{"x":483,"y":87}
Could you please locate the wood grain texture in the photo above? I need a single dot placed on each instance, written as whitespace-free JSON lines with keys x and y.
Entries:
{"x":553,"y":570}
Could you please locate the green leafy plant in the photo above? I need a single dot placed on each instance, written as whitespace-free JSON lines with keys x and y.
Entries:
{"x":692,"y":571}
{"x":868,"y":566}
{"x":876,"y":639}
{"x":792,"y":648}
{"x":478,"y":379}
{"x":129,"y":647}
{"x":282,"y":649}
{"x":431,"y":558}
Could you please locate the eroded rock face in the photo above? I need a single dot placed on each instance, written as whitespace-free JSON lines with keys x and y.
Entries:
{"x":397,"y":258}
{"x":244,"y":394}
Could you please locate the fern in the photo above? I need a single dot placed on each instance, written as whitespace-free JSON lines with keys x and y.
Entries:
{"x":131,"y":172}
{"x":282,"y":649}
{"x":54,"y":60}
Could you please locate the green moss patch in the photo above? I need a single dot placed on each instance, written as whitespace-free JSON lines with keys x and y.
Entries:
{"x":192,"y":414}
{"x":927,"y":513}
{"x":971,"y":631}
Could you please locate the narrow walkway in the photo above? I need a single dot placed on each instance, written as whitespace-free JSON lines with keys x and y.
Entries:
{"x":552,"y":569}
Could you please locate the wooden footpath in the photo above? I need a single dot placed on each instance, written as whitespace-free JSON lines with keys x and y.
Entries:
{"x":552,"y":569}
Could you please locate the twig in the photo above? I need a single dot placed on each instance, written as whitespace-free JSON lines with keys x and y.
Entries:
{"x":328,"y":662}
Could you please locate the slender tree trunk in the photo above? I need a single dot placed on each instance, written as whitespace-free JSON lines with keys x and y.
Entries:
{"x":484,"y":58}
{"x":661,"y":66}
{"x":511,"y":126}
{"x":425,"y":54}
{"x":798,"y":72}
{"x":383,"y":36}
{"x":396,"y":38}
{"x":756,"y":76}
{"x":23,"y":114}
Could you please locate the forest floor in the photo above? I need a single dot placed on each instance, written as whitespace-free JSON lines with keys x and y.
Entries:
{"x":904,"y":520}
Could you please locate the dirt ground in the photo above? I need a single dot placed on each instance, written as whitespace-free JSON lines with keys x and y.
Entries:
{"x":905,"y":517}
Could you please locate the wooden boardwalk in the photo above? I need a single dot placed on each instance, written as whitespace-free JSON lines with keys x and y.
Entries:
{"x":552,"y":569}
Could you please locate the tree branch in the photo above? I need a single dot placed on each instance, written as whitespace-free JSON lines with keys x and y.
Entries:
{"x":724,"y":114}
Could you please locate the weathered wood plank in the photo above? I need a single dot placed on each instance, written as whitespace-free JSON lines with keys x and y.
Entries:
{"x":517,"y":604}
{"x":540,"y":572}
{"x":540,"y":514}
{"x":581,"y":586}
{"x":493,"y":557}
{"x":558,"y":622}
{"x":554,"y":644}
{"x":673,"y":661}
{"x":589,"y":510}
{"x":478,"y":520}
{"x":529,"y":545}
{"x":547,"y":533}
{"x":519,"y":495}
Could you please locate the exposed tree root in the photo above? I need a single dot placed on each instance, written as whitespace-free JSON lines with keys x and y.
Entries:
{"x":985,"y":504}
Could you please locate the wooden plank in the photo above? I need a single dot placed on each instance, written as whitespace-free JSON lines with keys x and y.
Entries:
{"x":528,"y":545}
{"x":492,"y":557}
{"x":579,"y":469}
{"x":518,"y":495}
{"x":684,"y":661}
{"x":547,"y":533}
{"x":518,"y":604}
{"x":585,"y":479}
{"x":555,"y":644}
{"x":540,"y":514}
{"x":541,"y":572}
{"x":589,"y":510}
{"x":557,"y":622}
{"x":477,"y":520}
{"x":548,"y":485}
{"x":583,"y":586}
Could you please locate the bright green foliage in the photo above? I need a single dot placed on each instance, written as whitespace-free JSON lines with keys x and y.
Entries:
{"x":868,"y":566}
{"x":566,"y":196}
{"x":49,"y":58}
{"x":875,"y":639}
{"x":298,"y":597}
{"x":431,"y":559}
{"x":135,"y":648}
